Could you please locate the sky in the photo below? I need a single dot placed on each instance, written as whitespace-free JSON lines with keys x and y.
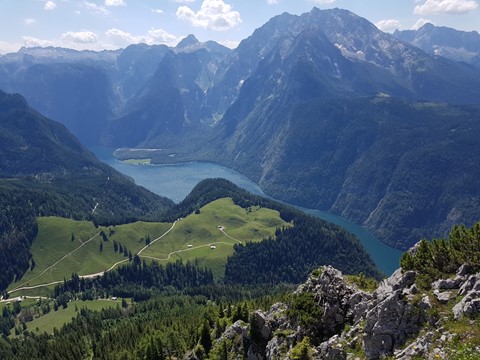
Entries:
{"x":113,"y":24}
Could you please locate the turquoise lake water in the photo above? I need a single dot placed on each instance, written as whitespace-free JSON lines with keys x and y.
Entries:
{"x":176,"y":181}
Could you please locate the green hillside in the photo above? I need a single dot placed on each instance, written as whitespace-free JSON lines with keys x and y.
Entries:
{"x":202,"y":231}
{"x":65,"y":246}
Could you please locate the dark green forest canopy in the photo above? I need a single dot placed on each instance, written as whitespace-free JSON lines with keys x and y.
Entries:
{"x":311,"y":242}
{"x":441,"y":258}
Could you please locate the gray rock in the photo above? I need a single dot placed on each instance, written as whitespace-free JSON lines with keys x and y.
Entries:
{"x":390,"y":323}
{"x":472,"y":282}
{"x":341,"y":303}
{"x":398,"y":280}
{"x":252,"y":354}
{"x":237,"y":329}
{"x":419,"y":348}
{"x":274,"y":347}
{"x":443,"y":297}
{"x":331,"y":350}
{"x":262,"y":324}
{"x":447,"y":284}
{"x":463,"y":270}
{"x":472,"y":308}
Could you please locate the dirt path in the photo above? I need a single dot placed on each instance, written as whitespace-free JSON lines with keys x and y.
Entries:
{"x":185,"y":250}
{"x":160,"y":237}
{"x":89,"y":276}
{"x":63,"y":258}
{"x":222,"y":230}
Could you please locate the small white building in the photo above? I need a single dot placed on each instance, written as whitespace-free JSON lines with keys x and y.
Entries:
{"x":189,"y":246}
{"x":213,"y":247}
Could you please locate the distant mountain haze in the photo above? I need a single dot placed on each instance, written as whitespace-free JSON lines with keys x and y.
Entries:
{"x":446,"y":42}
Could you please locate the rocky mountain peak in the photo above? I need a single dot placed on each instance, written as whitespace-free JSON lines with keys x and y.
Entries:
{"x":456,"y":45}
{"x":187,"y":41}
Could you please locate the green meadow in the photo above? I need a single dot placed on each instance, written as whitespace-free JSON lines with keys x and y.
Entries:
{"x":65,"y":246}
{"x":194,"y":236}
{"x":56,"y":319}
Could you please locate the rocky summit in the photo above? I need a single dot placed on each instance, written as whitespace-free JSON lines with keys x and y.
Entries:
{"x":331,"y":317}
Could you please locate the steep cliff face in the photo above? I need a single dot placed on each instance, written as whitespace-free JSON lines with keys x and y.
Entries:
{"x":330,"y":317}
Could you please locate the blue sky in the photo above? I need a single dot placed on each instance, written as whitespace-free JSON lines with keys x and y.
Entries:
{"x":112,"y":24}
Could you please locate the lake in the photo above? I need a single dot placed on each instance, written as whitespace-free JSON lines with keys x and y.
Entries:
{"x":177,"y":180}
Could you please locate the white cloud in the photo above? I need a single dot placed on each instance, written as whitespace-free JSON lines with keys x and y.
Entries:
{"x":159,"y":36}
{"x":213,"y":15}
{"x":80,"y":37}
{"x":272,"y":2}
{"x":155,"y":36}
{"x":122,"y":38}
{"x":388,"y":25}
{"x":115,"y":3}
{"x":29,"y":21}
{"x":30,"y":41}
{"x":323,"y":2}
{"x":229,"y":43}
{"x":445,"y":6}
{"x":157,"y":11}
{"x":6,"y":48}
{"x":420,"y":23}
{"x":49,"y":5}
{"x":95,"y":9}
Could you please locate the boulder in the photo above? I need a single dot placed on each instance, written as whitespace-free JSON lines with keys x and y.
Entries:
{"x":237,"y":329}
{"x":469,"y":306}
{"x":341,"y":302}
{"x":391,"y":322}
{"x":260,"y":321}
{"x":464,"y":270}
{"x":447,"y":284}
{"x":418,"y":349}
{"x":398,"y":280}
{"x":472,"y":283}
{"x":331,"y":350}
{"x":443,"y":297}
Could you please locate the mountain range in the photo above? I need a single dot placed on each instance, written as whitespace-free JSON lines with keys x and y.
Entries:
{"x":323,"y":110}
{"x":460,"y":46}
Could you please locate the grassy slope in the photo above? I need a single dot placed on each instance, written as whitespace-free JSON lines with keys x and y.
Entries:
{"x":201,"y":231}
{"x":56,"y":319}
{"x":54,"y":241}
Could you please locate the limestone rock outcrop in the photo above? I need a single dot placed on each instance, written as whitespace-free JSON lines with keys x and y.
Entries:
{"x":398,"y":319}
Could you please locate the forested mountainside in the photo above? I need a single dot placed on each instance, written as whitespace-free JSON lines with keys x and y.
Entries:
{"x":426,"y":309}
{"x":44,"y":171}
{"x":402,"y":169}
{"x":317,"y":98}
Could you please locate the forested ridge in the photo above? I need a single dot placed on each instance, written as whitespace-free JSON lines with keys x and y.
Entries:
{"x":403,"y":169}
{"x":189,"y":319}
{"x":45,"y":171}
{"x":177,"y":319}
{"x":293,"y":253}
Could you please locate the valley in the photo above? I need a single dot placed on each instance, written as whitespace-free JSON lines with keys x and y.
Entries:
{"x":310,"y":192}
{"x":315,"y":114}
{"x":175,"y":181}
